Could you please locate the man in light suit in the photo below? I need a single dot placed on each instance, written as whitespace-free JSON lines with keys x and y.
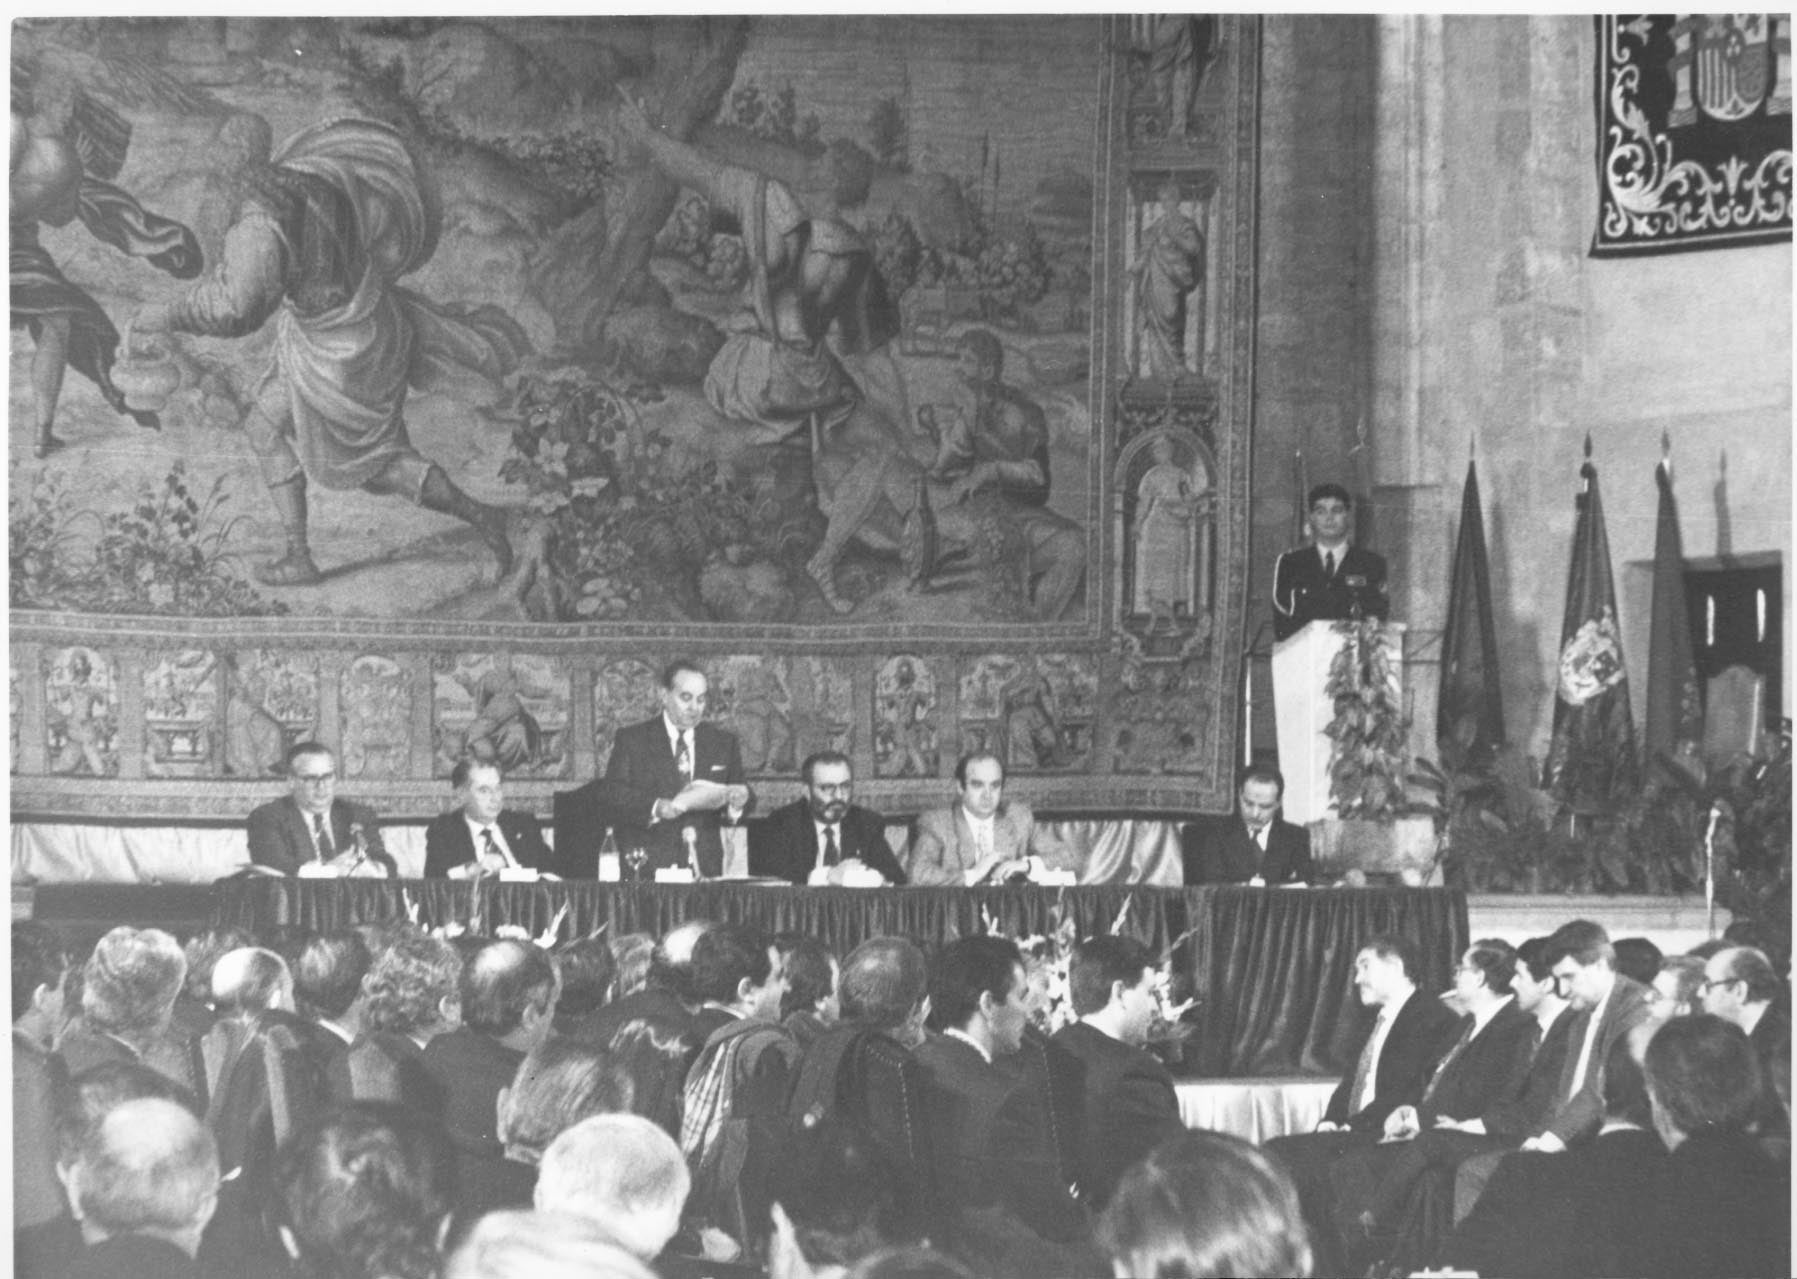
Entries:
{"x":1254,"y":845}
{"x":823,"y":833}
{"x":979,"y":840}
{"x":1332,"y":579}
{"x":481,"y":835}
{"x":652,"y":765}
{"x":312,"y":827}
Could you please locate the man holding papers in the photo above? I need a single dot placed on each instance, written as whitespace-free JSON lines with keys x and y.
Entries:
{"x":675,"y":774}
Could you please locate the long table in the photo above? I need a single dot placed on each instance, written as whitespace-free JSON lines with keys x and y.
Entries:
{"x":1271,"y":969}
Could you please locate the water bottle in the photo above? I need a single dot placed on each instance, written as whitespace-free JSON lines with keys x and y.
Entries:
{"x":610,"y":867}
{"x":691,"y":837}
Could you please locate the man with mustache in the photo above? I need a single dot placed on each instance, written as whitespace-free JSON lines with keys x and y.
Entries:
{"x":824,"y":836}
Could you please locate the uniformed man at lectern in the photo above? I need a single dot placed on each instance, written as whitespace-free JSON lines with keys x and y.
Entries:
{"x":1331,"y":579}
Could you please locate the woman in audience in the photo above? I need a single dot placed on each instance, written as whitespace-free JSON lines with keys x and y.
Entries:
{"x":587,"y":971}
{"x":412,"y":992}
{"x":1205,"y":1204}
{"x":365,"y":1195}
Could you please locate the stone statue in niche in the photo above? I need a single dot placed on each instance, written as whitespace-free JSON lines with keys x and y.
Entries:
{"x":271,"y":702}
{"x":1168,"y":268}
{"x":180,"y":714}
{"x":377,"y":719}
{"x":82,"y":720}
{"x":1168,"y":537}
{"x":1178,"y":48}
{"x":905,"y":720}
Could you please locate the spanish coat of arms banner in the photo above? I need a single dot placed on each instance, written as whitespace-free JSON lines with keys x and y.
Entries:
{"x":1693,"y":131}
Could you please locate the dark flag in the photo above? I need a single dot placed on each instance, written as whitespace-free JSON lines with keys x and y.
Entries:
{"x":1674,"y":705}
{"x":1469,"y":717}
{"x":1591,"y":761}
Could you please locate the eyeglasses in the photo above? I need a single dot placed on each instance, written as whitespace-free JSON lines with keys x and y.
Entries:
{"x":1708,"y":984}
{"x":314,"y":779}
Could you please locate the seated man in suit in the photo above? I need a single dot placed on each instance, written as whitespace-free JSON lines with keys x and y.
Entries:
{"x":1412,"y":1032}
{"x":673,"y":782}
{"x":992,"y":1142}
{"x":823,"y":837}
{"x":1332,"y":579}
{"x":1130,"y":1105}
{"x":1254,"y":845}
{"x":312,"y":828}
{"x":481,"y":836}
{"x":981,"y":839}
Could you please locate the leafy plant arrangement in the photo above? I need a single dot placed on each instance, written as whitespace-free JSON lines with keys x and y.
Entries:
{"x":164,"y":556}
{"x":640,"y":526}
{"x":1369,"y":765}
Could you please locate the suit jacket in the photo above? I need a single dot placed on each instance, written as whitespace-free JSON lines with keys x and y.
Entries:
{"x":641,"y":770}
{"x":448,"y":843}
{"x":942,"y":848}
{"x":1578,"y":1116}
{"x":281,"y":835}
{"x":1722,"y":1210}
{"x":470,"y":1068}
{"x":1579,"y":1213}
{"x":992,"y":1139}
{"x":1424,"y":1030}
{"x":1130,"y":1107}
{"x":1302,"y":594}
{"x":132,"y":1257}
{"x":1534,"y":1106}
{"x":655,"y":1039}
{"x":1489,"y":1071}
{"x":784,"y":843}
{"x":1219,"y":850}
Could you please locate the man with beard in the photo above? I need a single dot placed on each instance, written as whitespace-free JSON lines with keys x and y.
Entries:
{"x":824,"y":837}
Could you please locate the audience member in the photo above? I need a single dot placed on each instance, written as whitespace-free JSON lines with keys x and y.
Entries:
{"x":633,"y":953}
{"x":1129,"y":1103}
{"x":1637,"y":958}
{"x":1723,"y":1207}
{"x":1409,"y":1035}
{"x":311,"y":828}
{"x":410,"y":995}
{"x":837,"y":1200}
{"x":980,"y":838}
{"x":655,"y":1033}
{"x":822,"y":837}
{"x":623,"y":1173}
{"x":587,"y":971}
{"x":993,"y":1146}
{"x":1575,"y":1214}
{"x":810,"y":1005}
{"x":364,"y":1195}
{"x":508,"y":993}
{"x":128,"y":997}
{"x":1205,"y":1204}
{"x":193,"y":1009}
{"x":480,"y":835}
{"x":918,"y":1261}
{"x":39,"y":962}
{"x":143,"y":1185}
{"x":1674,"y":989}
{"x":535,"y":1245}
{"x":1740,"y":986}
{"x":737,"y":1089}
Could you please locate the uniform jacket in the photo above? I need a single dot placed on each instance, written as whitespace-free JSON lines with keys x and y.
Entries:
{"x":1302,"y":594}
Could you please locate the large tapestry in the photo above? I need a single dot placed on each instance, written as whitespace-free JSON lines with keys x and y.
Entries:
{"x":422,"y":385}
{"x":1693,"y":131}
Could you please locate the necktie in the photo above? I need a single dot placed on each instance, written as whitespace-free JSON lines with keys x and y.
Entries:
{"x":832,"y":854}
{"x":326,"y":849}
{"x":1366,"y":1069}
{"x":492,"y":845}
{"x":1466,"y":1037}
{"x":683,"y":759}
{"x":1328,"y":563}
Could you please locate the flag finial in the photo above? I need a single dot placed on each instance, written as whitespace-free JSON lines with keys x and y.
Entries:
{"x":1587,"y":446}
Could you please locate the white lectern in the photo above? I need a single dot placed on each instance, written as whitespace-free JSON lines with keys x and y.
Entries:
{"x":1302,"y":711}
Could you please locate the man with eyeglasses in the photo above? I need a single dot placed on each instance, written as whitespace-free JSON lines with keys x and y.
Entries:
{"x":311,"y":831}
{"x":1739,"y":985}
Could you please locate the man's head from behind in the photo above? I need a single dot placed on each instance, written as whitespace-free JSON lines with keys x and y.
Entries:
{"x":328,"y":975}
{"x":131,"y":981}
{"x":82,"y":1102}
{"x":148,"y":1167}
{"x":1702,"y":1076}
{"x":1205,"y":1204}
{"x":39,"y":960}
{"x":885,"y":986}
{"x":736,"y":966}
{"x":413,"y":988}
{"x":621,"y":1171}
{"x":508,"y":992}
{"x":558,"y":1084}
{"x":978,"y":987}
{"x":540,"y":1245}
{"x":1583,"y":963}
{"x":671,"y":962}
{"x":1674,"y":989}
{"x":251,"y":980}
{"x":1115,"y":976}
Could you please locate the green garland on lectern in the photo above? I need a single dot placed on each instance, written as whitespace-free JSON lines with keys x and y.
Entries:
{"x":1369,"y":763}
